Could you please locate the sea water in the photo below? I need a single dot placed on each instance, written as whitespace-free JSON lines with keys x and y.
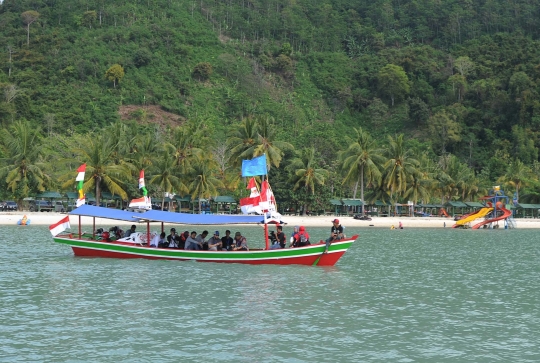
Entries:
{"x":411,"y":295}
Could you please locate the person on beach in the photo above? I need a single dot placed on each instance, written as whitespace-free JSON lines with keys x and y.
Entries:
{"x":400,"y":225}
{"x":336,"y":233}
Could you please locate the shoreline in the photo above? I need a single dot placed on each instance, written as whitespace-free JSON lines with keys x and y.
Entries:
{"x":48,"y":218}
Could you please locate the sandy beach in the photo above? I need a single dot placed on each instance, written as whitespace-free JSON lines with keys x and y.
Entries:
{"x":48,"y":218}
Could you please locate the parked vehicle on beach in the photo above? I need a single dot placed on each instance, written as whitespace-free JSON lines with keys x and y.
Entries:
{"x":9,"y":206}
{"x":41,"y":206}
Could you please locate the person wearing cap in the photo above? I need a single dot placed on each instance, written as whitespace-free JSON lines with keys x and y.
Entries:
{"x":214,"y":242}
{"x":227,"y":241}
{"x":191,"y":242}
{"x":301,"y":238}
{"x":336,"y":233}
{"x":172,"y":239}
{"x":240,"y":242}
{"x":130,"y":231}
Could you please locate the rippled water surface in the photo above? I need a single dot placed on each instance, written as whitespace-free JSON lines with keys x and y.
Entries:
{"x":412,"y":295}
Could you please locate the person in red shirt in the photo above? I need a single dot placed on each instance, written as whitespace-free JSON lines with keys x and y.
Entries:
{"x":301,"y":238}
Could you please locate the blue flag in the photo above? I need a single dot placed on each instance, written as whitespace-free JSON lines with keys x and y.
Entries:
{"x":255,"y":166}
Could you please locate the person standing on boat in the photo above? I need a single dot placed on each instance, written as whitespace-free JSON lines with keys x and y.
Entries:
{"x":191,"y":242}
{"x":226,"y":241}
{"x":214,"y":242}
{"x":282,"y":240}
{"x":301,"y":238}
{"x":336,"y":233}
{"x":130,"y":231}
{"x":240,"y":242}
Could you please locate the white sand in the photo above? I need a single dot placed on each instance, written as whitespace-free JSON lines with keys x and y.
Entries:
{"x":48,"y":218}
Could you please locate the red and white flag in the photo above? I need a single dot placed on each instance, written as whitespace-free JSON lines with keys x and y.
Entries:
{"x":141,"y":203}
{"x":252,"y":185}
{"x":268,"y":202}
{"x":60,"y":226}
{"x":250,"y":205}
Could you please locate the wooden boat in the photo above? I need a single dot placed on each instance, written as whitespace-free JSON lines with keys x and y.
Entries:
{"x":136,"y":246}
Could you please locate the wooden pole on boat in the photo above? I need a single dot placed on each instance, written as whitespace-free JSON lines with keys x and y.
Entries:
{"x":94,"y":228}
{"x":266,"y":234}
{"x":80,"y":232}
{"x":147,"y":233}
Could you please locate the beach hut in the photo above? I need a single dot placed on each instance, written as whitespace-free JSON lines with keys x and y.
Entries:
{"x":224,"y":204}
{"x":352,"y":206}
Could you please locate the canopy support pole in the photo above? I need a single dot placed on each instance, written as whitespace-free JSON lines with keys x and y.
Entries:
{"x":148,"y":233}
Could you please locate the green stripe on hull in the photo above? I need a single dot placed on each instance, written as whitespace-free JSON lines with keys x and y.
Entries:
{"x":206,"y":255}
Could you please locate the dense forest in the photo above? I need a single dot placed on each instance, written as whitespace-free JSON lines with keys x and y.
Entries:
{"x":416,"y":100}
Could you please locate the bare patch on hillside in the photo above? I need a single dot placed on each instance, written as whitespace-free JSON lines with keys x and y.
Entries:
{"x":151,"y":114}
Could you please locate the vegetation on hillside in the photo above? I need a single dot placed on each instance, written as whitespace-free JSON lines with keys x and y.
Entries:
{"x":411,"y":101}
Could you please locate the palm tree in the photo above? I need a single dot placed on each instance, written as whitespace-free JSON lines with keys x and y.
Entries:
{"x":517,"y":175}
{"x":204,"y":184}
{"x":306,"y":174}
{"x":99,"y":153}
{"x":187,"y":143}
{"x":165,"y":174}
{"x":256,"y":137}
{"x":242,"y":140}
{"x":22,"y":164}
{"x":267,"y":144}
{"x":399,"y":166}
{"x":143,"y":154}
{"x":362,"y":160}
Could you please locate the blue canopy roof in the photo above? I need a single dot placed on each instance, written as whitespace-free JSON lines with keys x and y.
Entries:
{"x":102,"y":212}
{"x":185,"y":218}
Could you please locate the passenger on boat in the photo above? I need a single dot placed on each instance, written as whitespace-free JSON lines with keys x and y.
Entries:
{"x":295,"y":231}
{"x":281,"y":237}
{"x":192,"y":243}
{"x":274,"y":244}
{"x":301,"y":238}
{"x":130,"y":231}
{"x":117,"y":232}
{"x":172,"y":239}
{"x":158,"y":240}
{"x":240,"y":242}
{"x":336,"y":233}
{"x":214,"y":242}
{"x":226,"y":241}
{"x":182,"y":242}
{"x":201,"y":240}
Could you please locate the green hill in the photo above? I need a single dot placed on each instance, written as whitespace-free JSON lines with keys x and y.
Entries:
{"x":455,"y":78}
